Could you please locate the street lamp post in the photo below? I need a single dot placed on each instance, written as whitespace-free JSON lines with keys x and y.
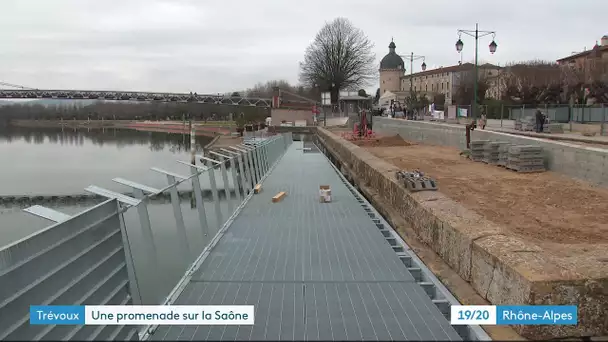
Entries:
{"x":459,"y":45}
{"x":422,"y":66}
{"x":413,"y":58}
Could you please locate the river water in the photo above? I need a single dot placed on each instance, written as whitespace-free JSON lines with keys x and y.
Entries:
{"x":62,"y":162}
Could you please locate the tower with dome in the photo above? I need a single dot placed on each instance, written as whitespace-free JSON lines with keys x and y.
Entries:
{"x":392,"y":68}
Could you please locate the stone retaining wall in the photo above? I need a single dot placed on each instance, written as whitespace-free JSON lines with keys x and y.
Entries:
{"x":585,"y":163}
{"x":502,"y":268}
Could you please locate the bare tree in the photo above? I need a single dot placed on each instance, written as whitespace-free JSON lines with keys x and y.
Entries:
{"x":532,"y":82}
{"x":264,"y":90}
{"x":464,"y":94}
{"x":340,"y":57}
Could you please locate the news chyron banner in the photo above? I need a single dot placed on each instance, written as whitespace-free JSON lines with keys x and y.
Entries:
{"x":143,"y":315}
{"x":514,"y":315}
{"x":244,"y":315}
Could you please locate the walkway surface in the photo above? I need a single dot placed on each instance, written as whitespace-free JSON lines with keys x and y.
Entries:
{"x":314,"y":271}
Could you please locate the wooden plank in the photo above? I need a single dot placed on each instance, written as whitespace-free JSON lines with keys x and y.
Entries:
{"x":279,"y":197}
{"x":257,"y":189}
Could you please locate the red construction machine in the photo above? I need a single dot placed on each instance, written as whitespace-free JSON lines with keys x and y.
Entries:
{"x":361,"y":129}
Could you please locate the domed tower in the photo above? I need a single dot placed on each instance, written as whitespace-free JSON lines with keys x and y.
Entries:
{"x":391,"y":70}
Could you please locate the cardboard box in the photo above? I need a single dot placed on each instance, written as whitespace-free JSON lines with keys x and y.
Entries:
{"x":257,"y":189}
{"x":324,"y":194}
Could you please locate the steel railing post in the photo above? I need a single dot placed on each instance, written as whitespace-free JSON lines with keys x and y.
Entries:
{"x":227,"y":191}
{"x":134,"y":280}
{"x":251,"y":156}
{"x":237,"y":165}
{"x":146,"y":231}
{"x":200,"y":205}
{"x":182,"y":235}
{"x":215,"y":194}
{"x":235,"y":179}
{"x":256,"y":156}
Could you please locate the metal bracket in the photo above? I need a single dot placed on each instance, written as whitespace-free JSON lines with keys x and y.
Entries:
{"x":169,"y":173}
{"x":220,"y":155}
{"x":217,"y":162}
{"x":111,"y":194}
{"x":47,"y":213}
{"x":231,"y":152}
{"x":135,"y":185}
{"x":200,"y":167}
{"x":242,"y":150}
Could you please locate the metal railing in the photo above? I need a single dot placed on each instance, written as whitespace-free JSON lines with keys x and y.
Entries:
{"x":118,"y":252}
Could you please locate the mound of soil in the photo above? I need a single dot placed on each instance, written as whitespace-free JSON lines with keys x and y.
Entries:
{"x":391,"y":141}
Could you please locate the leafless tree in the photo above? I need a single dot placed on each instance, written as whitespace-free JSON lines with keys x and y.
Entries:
{"x":542,"y":82}
{"x":264,"y":90}
{"x":464,"y":94}
{"x":532,"y":82}
{"x":340,"y":57}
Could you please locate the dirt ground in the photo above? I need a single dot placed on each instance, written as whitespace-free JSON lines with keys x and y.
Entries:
{"x":383,"y":142}
{"x":545,"y":207}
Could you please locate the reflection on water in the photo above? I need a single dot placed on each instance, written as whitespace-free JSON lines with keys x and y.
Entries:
{"x":55,"y":161}
{"x":59,"y":162}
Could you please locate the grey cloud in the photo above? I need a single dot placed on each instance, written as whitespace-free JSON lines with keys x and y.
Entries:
{"x":218,"y":46}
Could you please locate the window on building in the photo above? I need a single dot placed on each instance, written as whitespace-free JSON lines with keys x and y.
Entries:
{"x":441,"y":85}
{"x":426,"y":87}
{"x":447,"y":85}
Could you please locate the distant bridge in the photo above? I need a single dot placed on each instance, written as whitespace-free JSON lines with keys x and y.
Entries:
{"x":133,"y":96}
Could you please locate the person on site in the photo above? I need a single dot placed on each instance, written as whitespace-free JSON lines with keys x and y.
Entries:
{"x":482,"y":121}
{"x":539,"y":121}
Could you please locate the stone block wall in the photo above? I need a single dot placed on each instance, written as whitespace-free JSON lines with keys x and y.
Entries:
{"x":576,"y":161}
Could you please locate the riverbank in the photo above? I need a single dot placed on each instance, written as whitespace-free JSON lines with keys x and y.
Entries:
{"x":209,"y":128}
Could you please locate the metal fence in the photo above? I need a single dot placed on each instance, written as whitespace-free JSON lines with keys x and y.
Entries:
{"x":592,"y":114}
{"x":118,"y":252}
{"x":595,"y":114}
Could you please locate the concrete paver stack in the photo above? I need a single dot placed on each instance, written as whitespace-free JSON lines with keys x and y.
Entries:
{"x":526,"y":158}
{"x":554,"y":128}
{"x":503,"y":154}
{"x":491,"y":153}
{"x":525,"y":124}
{"x":478,"y":149}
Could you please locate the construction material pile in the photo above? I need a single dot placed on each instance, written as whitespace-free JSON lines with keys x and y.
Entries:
{"x":554,"y":128}
{"x":526,"y":158}
{"x":526,"y":124}
{"x":415,"y":181}
{"x":478,"y":148}
{"x":491,"y":152}
{"x":503,"y":154}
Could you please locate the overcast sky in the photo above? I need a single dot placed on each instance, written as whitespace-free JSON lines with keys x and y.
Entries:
{"x":217,"y":46}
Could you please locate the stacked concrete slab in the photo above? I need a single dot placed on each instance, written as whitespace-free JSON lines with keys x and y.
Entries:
{"x":503,"y":153}
{"x":526,"y":158}
{"x":478,"y":148}
{"x":491,"y":153}
{"x":555,"y":128}
{"x":526,"y":124}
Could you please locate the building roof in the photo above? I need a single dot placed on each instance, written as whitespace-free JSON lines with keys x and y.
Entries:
{"x":596,"y":49}
{"x":453,"y":68}
{"x":392,"y":59}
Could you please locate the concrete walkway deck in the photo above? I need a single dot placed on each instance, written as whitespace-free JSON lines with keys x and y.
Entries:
{"x":314,"y":271}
